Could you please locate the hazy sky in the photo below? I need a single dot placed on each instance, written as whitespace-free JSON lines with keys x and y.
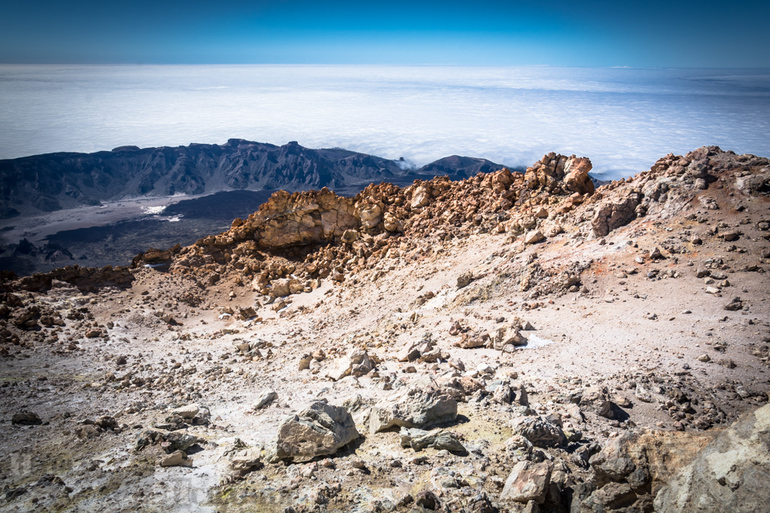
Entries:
{"x":704,"y":33}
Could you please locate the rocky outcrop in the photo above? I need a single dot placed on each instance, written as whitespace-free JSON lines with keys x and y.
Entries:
{"x":730,"y":474}
{"x":66,"y":180}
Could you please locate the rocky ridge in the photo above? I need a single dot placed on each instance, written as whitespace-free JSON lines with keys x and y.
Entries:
{"x":45,"y":183}
{"x":508,"y":342}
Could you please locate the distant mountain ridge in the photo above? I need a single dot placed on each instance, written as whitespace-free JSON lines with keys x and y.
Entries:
{"x":58,"y":181}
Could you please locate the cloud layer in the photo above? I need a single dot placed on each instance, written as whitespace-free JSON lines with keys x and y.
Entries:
{"x":623,"y":119}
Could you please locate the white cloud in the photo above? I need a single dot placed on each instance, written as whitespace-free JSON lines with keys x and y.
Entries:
{"x":623,"y":119}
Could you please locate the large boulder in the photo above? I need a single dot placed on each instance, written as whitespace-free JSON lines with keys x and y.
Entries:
{"x":319,"y":430}
{"x":528,"y":482}
{"x":614,"y":214}
{"x":413,"y":408}
{"x":576,"y":177}
{"x":539,"y":431}
{"x":730,"y":474}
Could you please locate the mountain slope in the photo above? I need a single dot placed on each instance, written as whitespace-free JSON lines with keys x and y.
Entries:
{"x":66,"y":180}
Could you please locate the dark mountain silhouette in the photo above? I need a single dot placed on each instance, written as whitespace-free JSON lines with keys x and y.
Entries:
{"x":65,"y":180}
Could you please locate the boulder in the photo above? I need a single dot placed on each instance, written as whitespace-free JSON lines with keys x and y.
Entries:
{"x":319,"y":430}
{"x":576,"y":177}
{"x":614,"y":214}
{"x":539,"y":431}
{"x":26,"y":418}
{"x":246,"y":460}
{"x":419,"y":439}
{"x":533,"y":237}
{"x":413,"y":408}
{"x":187,"y":411}
{"x":528,"y":482}
{"x":356,"y":363}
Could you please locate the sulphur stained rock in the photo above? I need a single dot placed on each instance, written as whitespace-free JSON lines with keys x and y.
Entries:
{"x":319,"y":430}
{"x":729,"y":474}
{"x":414,"y":407}
{"x":528,"y":482}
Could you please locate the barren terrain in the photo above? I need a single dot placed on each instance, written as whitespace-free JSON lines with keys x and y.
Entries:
{"x":547,"y":330}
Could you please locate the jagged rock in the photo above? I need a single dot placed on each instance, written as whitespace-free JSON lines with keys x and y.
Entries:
{"x":414,"y":407}
{"x":419,"y":439}
{"x":614,"y":214}
{"x":729,"y":474}
{"x":420,"y":197}
{"x":539,"y":431}
{"x":319,"y":430}
{"x":356,"y":363}
{"x":577,"y":179}
{"x":734,"y":305}
{"x":413,"y":351}
{"x":528,"y":482}
{"x":508,"y":335}
{"x":533,"y":237}
{"x":265,"y":398}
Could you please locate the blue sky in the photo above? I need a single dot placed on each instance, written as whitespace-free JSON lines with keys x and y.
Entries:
{"x":482,"y":32}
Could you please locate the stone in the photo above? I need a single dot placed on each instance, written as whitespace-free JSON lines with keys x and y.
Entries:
{"x":26,"y":418}
{"x":350,"y":236}
{"x":612,"y":215}
{"x":304,"y":362}
{"x":576,"y":177}
{"x":319,"y":430}
{"x":528,"y":482}
{"x":729,"y":474}
{"x":704,"y":358}
{"x":265,"y":398}
{"x":533,"y":237}
{"x":539,"y":431}
{"x":246,"y":460}
{"x":713,"y":290}
{"x":734,"y":305}
{"x":464,"y":280}
{"x":420,"y":197}
{"x":392,"y":224}
{"x":187,"y":411}
{"x":357,"y":363}
{"x":415,"y":407}
{"x":419,"y":439}
{"x":176,"y":459}
{"x":508,"y":335}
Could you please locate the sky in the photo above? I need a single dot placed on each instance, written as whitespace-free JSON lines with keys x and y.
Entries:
{"x":590,"y":33}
